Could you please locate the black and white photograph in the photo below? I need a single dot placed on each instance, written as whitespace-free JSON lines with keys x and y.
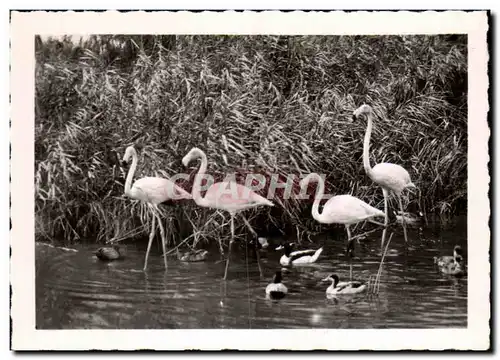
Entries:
{"x":253,"y":180}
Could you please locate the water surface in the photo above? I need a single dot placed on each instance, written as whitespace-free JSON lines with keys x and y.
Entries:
{"x":74,"y":290}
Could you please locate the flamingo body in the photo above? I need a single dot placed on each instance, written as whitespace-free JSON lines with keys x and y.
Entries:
{"x":347,"y":209}
{"x":153,"y":191}
{"x":156,"y":190}
{"x":341,"y":209}
{"x":393,"y":177}
{"x":228,"y":195}
{"x":233,"y":197}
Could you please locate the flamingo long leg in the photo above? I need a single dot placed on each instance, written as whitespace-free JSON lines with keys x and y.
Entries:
{"x":376,"y":222}
{"x":403,"y":218}
{"x":163,"y":240}
{"x":230,"y":245}
{"x":153,"y":225}
{"x":350,"y":257}
{"x":256,"y":249}
{"x":386,"y":220}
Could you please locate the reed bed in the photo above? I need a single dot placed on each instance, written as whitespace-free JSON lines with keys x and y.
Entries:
{"x":255,"y":104}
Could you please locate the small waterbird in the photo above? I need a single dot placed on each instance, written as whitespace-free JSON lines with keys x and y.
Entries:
{"x":341,"y":288}
{"x":228,"y":196}
{"x":153,"y":191}
{"x":276,"y":289}
{"x":192,"y":255}
{"x":409,"y":218}
{"x":390,"y":177}
{"x":298,"y":257}
{"x":262,"y":243}
{"x":341,"y":209}
{"x":109,"y":253}
{"x":451,"y":265}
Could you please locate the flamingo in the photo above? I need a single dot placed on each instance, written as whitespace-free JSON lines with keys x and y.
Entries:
{"x":390,"y":177}
{"x":240,"y":198}
{"x":341,"y":209}
{"x":153,"y":191}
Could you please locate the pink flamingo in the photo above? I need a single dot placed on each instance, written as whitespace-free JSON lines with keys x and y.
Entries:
{"x":153,"y":191}
{"x":228,"y":196}
{"x":341,"y":209}
{"x":390,"y":177}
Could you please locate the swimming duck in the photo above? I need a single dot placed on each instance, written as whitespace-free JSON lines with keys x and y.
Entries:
{"x":109,"y":253}
{"x":298,"y":257}
{"x":276,"y":289}
{"x":409,"y":218}
{"x":192,"y":255}
{"x":452,"y":265}
{"x":341,"y":288}
{"x":448,"y":259}
{"x":262,"y":243}
{"x":456,"y":268}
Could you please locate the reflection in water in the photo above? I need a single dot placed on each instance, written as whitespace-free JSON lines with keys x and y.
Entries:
{"x":75,"y":290}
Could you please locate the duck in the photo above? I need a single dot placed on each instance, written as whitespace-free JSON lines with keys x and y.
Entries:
{"x":411,"y":219}
{"x":110,"y":253}
{"x":276,"y":289}
{"x":192,"y":255}
{"x":341,"y":288}
{"x":456,"y":268}
{"x":448,"y":259}
{"x":451,"y":265}
{"x":262,"y":243}
{"x":299,"y":257}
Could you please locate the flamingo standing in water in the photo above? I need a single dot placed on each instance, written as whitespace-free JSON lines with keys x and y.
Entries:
{"x":390,"y":177}
{"x":341,"y":209}
{"x":228,"y":195}
{"x":153,"y":191}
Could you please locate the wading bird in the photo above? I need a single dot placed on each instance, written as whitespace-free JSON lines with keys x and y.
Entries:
{"x":390,"y":177}
{"x":153,"y":191}
{"x":228,"y":196}
{"x":341,"y":209}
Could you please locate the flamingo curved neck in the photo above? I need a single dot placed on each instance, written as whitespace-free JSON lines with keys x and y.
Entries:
{"x":366,"y":147}
{"x":319,"y":195}
{"x":130,"y":175}
{"x":196,"y":192}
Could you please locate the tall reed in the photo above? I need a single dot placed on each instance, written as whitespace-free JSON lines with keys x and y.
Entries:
{"x":265,"y":104}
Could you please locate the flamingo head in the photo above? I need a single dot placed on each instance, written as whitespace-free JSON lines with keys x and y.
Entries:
{"x":128,"y":154}
{"x":192,"y":154}
{"x":362,"y":110}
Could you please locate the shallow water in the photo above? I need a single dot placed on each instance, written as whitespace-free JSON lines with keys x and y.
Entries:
{"x":75,"y":290}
